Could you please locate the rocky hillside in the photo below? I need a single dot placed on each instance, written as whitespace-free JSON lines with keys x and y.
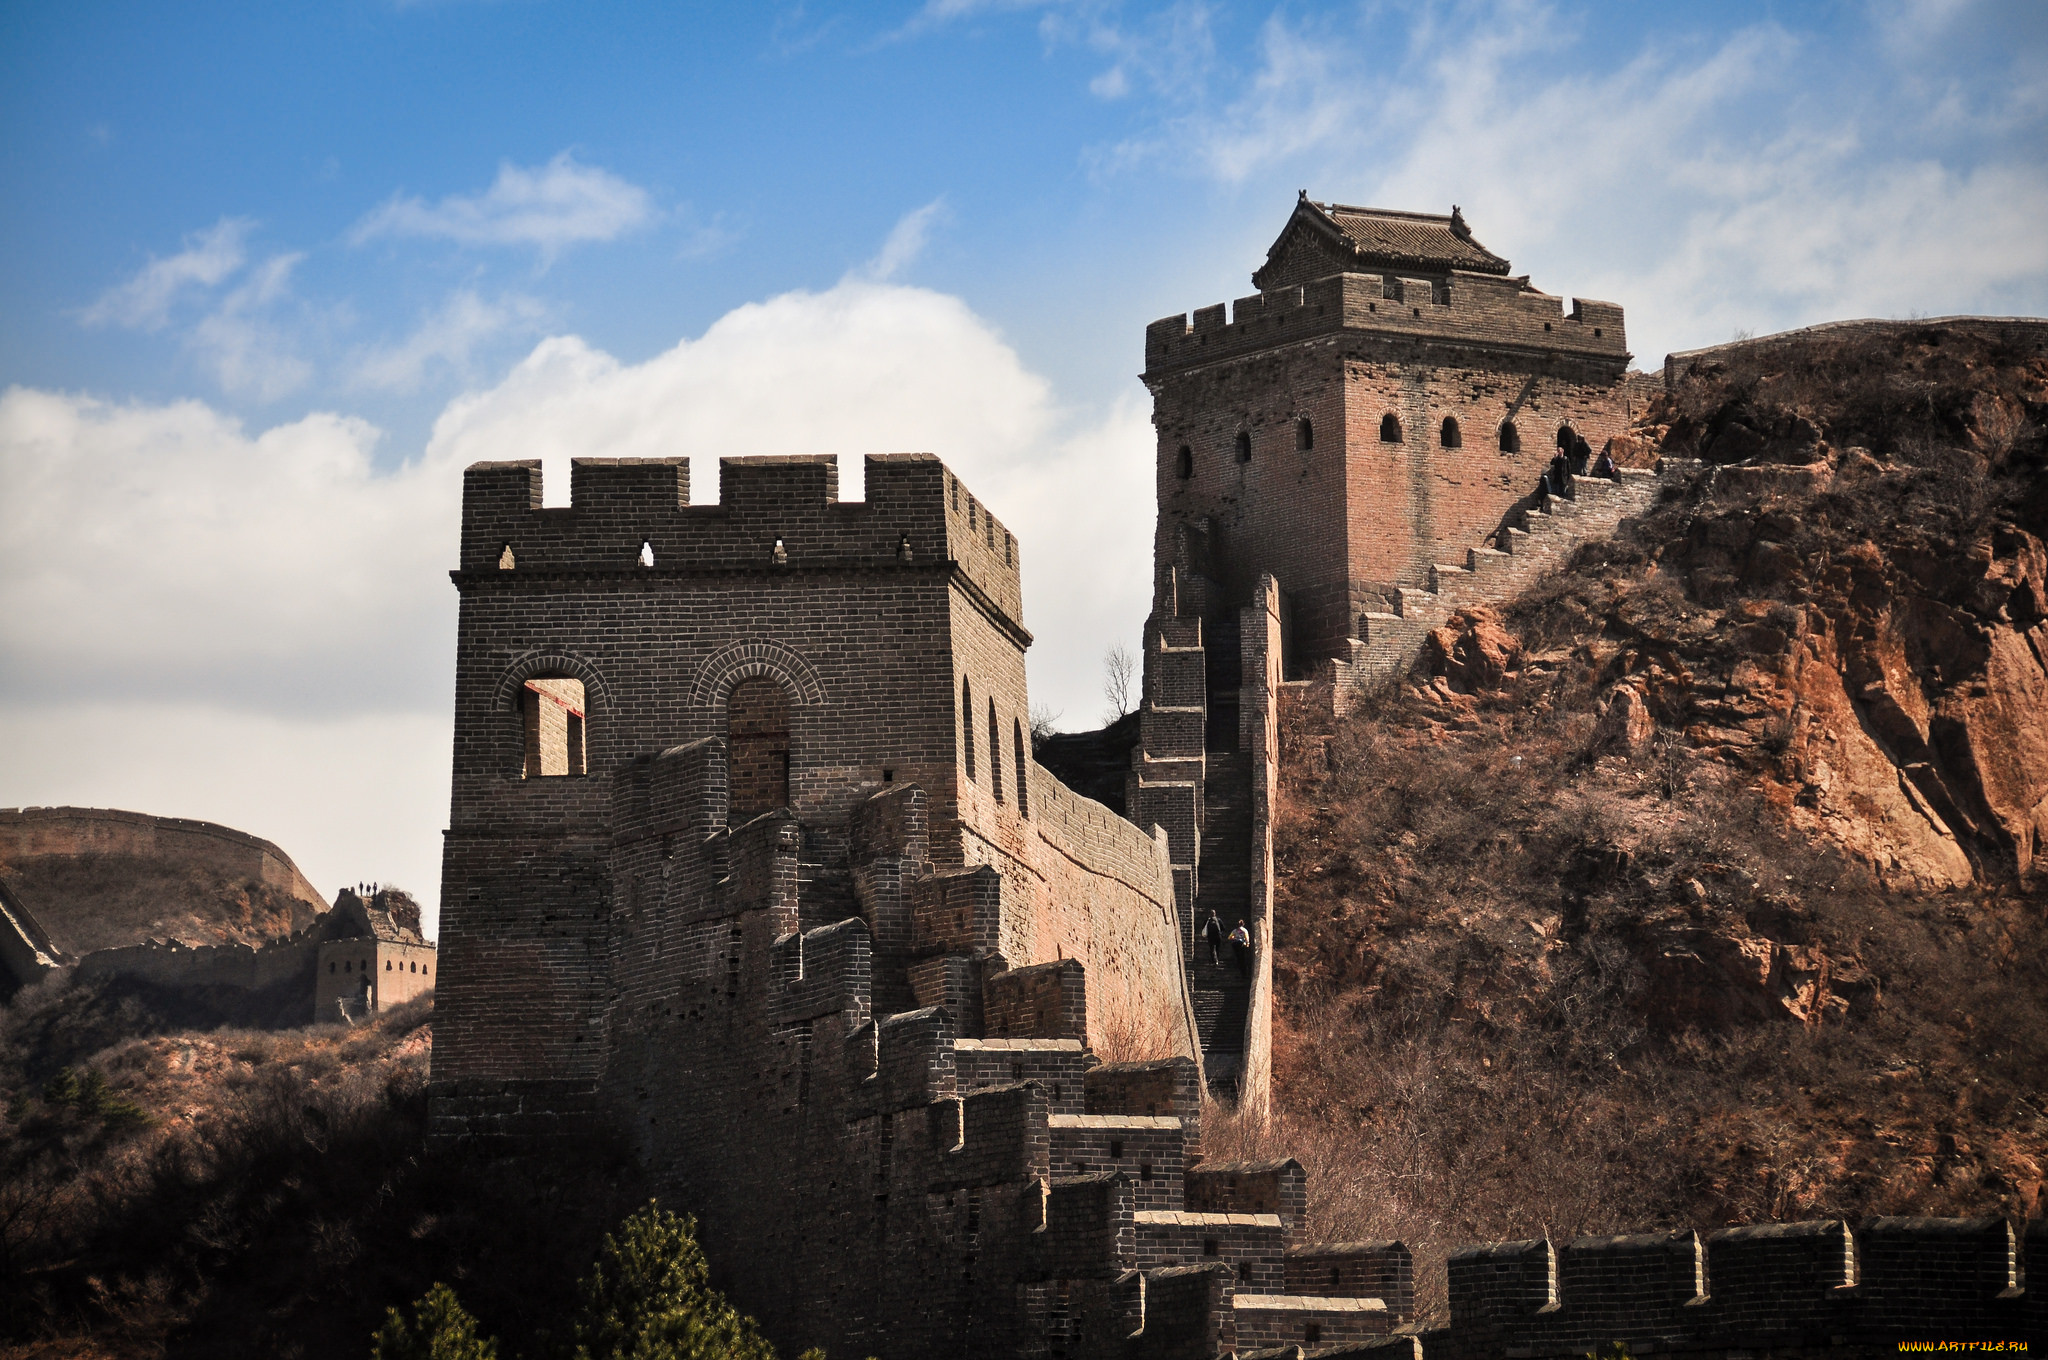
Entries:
{"x":1701,"y":884}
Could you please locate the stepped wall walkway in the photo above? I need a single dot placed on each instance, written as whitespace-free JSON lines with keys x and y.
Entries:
{"x":1547,"y":534}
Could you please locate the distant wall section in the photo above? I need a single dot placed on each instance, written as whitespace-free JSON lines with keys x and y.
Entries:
{"x":100,"y":878}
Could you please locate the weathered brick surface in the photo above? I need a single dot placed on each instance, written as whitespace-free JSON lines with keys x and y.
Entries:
{"x":1146,"y":1149}
{"x":1252,"y":1245}
{"x":1373,"y":1270}
{"x":395,"y":973}
{"x":1253,"y":1188}
{"x":1792,"y":1289}
{"x":1042,"y":1001}
{"x":1348,"y":520}
{"x":1276,"y":1319}
{"x":1058,"y":1066}
{"x":1161,"y":1086}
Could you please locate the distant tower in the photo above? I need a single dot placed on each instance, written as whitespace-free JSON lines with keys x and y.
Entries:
{"x":1387,"y":401}
{"x":1379,"y":406}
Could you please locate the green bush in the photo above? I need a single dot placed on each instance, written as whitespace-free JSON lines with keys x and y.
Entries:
{"x":440,"y":1329}
{"x":649,"y":1297}
{"x":86,"y":1091}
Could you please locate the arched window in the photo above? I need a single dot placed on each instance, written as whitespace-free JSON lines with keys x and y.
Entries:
{"x":1510,"y":437}
{"x":1304,"y":435}
{"x":333,"y":967}
{"x":1244,"y":446}
{"x":1451,"y":436}
{"x":387,"y":965}
{"x":1023,"y":764}
{"x":1390,"y":428}
{"x":1187,"y":462}
{"x":646,"y":553}
{"x":995,"y":753}
{"x":967,"y":722}
{"x":757,"y":746}
{"x":1565,"y":435}
{"x":506,"y":562}
{"x":551,"y":715}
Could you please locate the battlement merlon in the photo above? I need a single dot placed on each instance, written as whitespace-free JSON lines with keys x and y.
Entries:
{"x":1462,"y":309}
{"x":775,"y":514}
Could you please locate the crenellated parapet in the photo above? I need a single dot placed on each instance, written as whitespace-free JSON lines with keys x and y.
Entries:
{"x":1820,"y":1287}
{"x":1464,"y":309}
{"x":634,"y":516}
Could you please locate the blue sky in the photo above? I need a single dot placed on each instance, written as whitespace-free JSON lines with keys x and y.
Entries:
{"x":270,"y":274}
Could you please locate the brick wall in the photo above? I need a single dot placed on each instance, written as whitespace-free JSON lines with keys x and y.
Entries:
{"x":1346,"y":516}
{"x":395,"y":972}
{"x":757,"y":974}
{"x":1816,"y":1288}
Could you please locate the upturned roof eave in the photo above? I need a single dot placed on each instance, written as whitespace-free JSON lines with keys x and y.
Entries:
{"x":1366,"y":260}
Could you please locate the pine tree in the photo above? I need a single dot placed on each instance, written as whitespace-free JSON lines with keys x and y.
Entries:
{"x":649,"y":1297}
{"x":440,"y":1329}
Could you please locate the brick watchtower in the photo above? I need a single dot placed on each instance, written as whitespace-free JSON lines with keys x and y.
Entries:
{"x":1384,"y":401}
{"x":1388,"y":401}
{"x":835,"y":649}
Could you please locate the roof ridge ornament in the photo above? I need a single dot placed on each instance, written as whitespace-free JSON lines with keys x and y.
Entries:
{"x":1458,"y":227}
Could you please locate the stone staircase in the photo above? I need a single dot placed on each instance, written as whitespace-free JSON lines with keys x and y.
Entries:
{"x":1221,"y":991}
{"x":1136,"y":1127}
{"x":1549,"y":532}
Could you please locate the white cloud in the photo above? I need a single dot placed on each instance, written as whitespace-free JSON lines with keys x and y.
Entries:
{"x":551,"y":207}
{"x":447,"y":338}
{"x":249,"y":353}
{"x":161,"y":552}
{"x":905,"y":242}
{"x":1111,"y":84}
{"x":144,"y":302}
{"x":258,"y":628}
{"x":254,"y":630}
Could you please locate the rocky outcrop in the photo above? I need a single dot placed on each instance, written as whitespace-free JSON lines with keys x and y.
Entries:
{"x":1902,"y":711}
{"x":1863,"y":634}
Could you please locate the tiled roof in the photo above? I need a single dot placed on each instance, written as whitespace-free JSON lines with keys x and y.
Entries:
{"x":1382,"y":238}
{"x":1414,"y":238}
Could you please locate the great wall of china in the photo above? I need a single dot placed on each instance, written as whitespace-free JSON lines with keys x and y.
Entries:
{"x":751,"y":867}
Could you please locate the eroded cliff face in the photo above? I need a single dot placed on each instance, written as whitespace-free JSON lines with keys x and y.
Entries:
{"x":1866,"y":636}
{"x":1908,"y":729}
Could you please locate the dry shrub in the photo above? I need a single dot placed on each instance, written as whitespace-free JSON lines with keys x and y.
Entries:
{"x":282,"y":1199}
{"x":1135,"y":1034}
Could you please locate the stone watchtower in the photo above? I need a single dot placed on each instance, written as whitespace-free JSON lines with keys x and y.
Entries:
{"x":1386,"y":403}
{"x":835,"y":651}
